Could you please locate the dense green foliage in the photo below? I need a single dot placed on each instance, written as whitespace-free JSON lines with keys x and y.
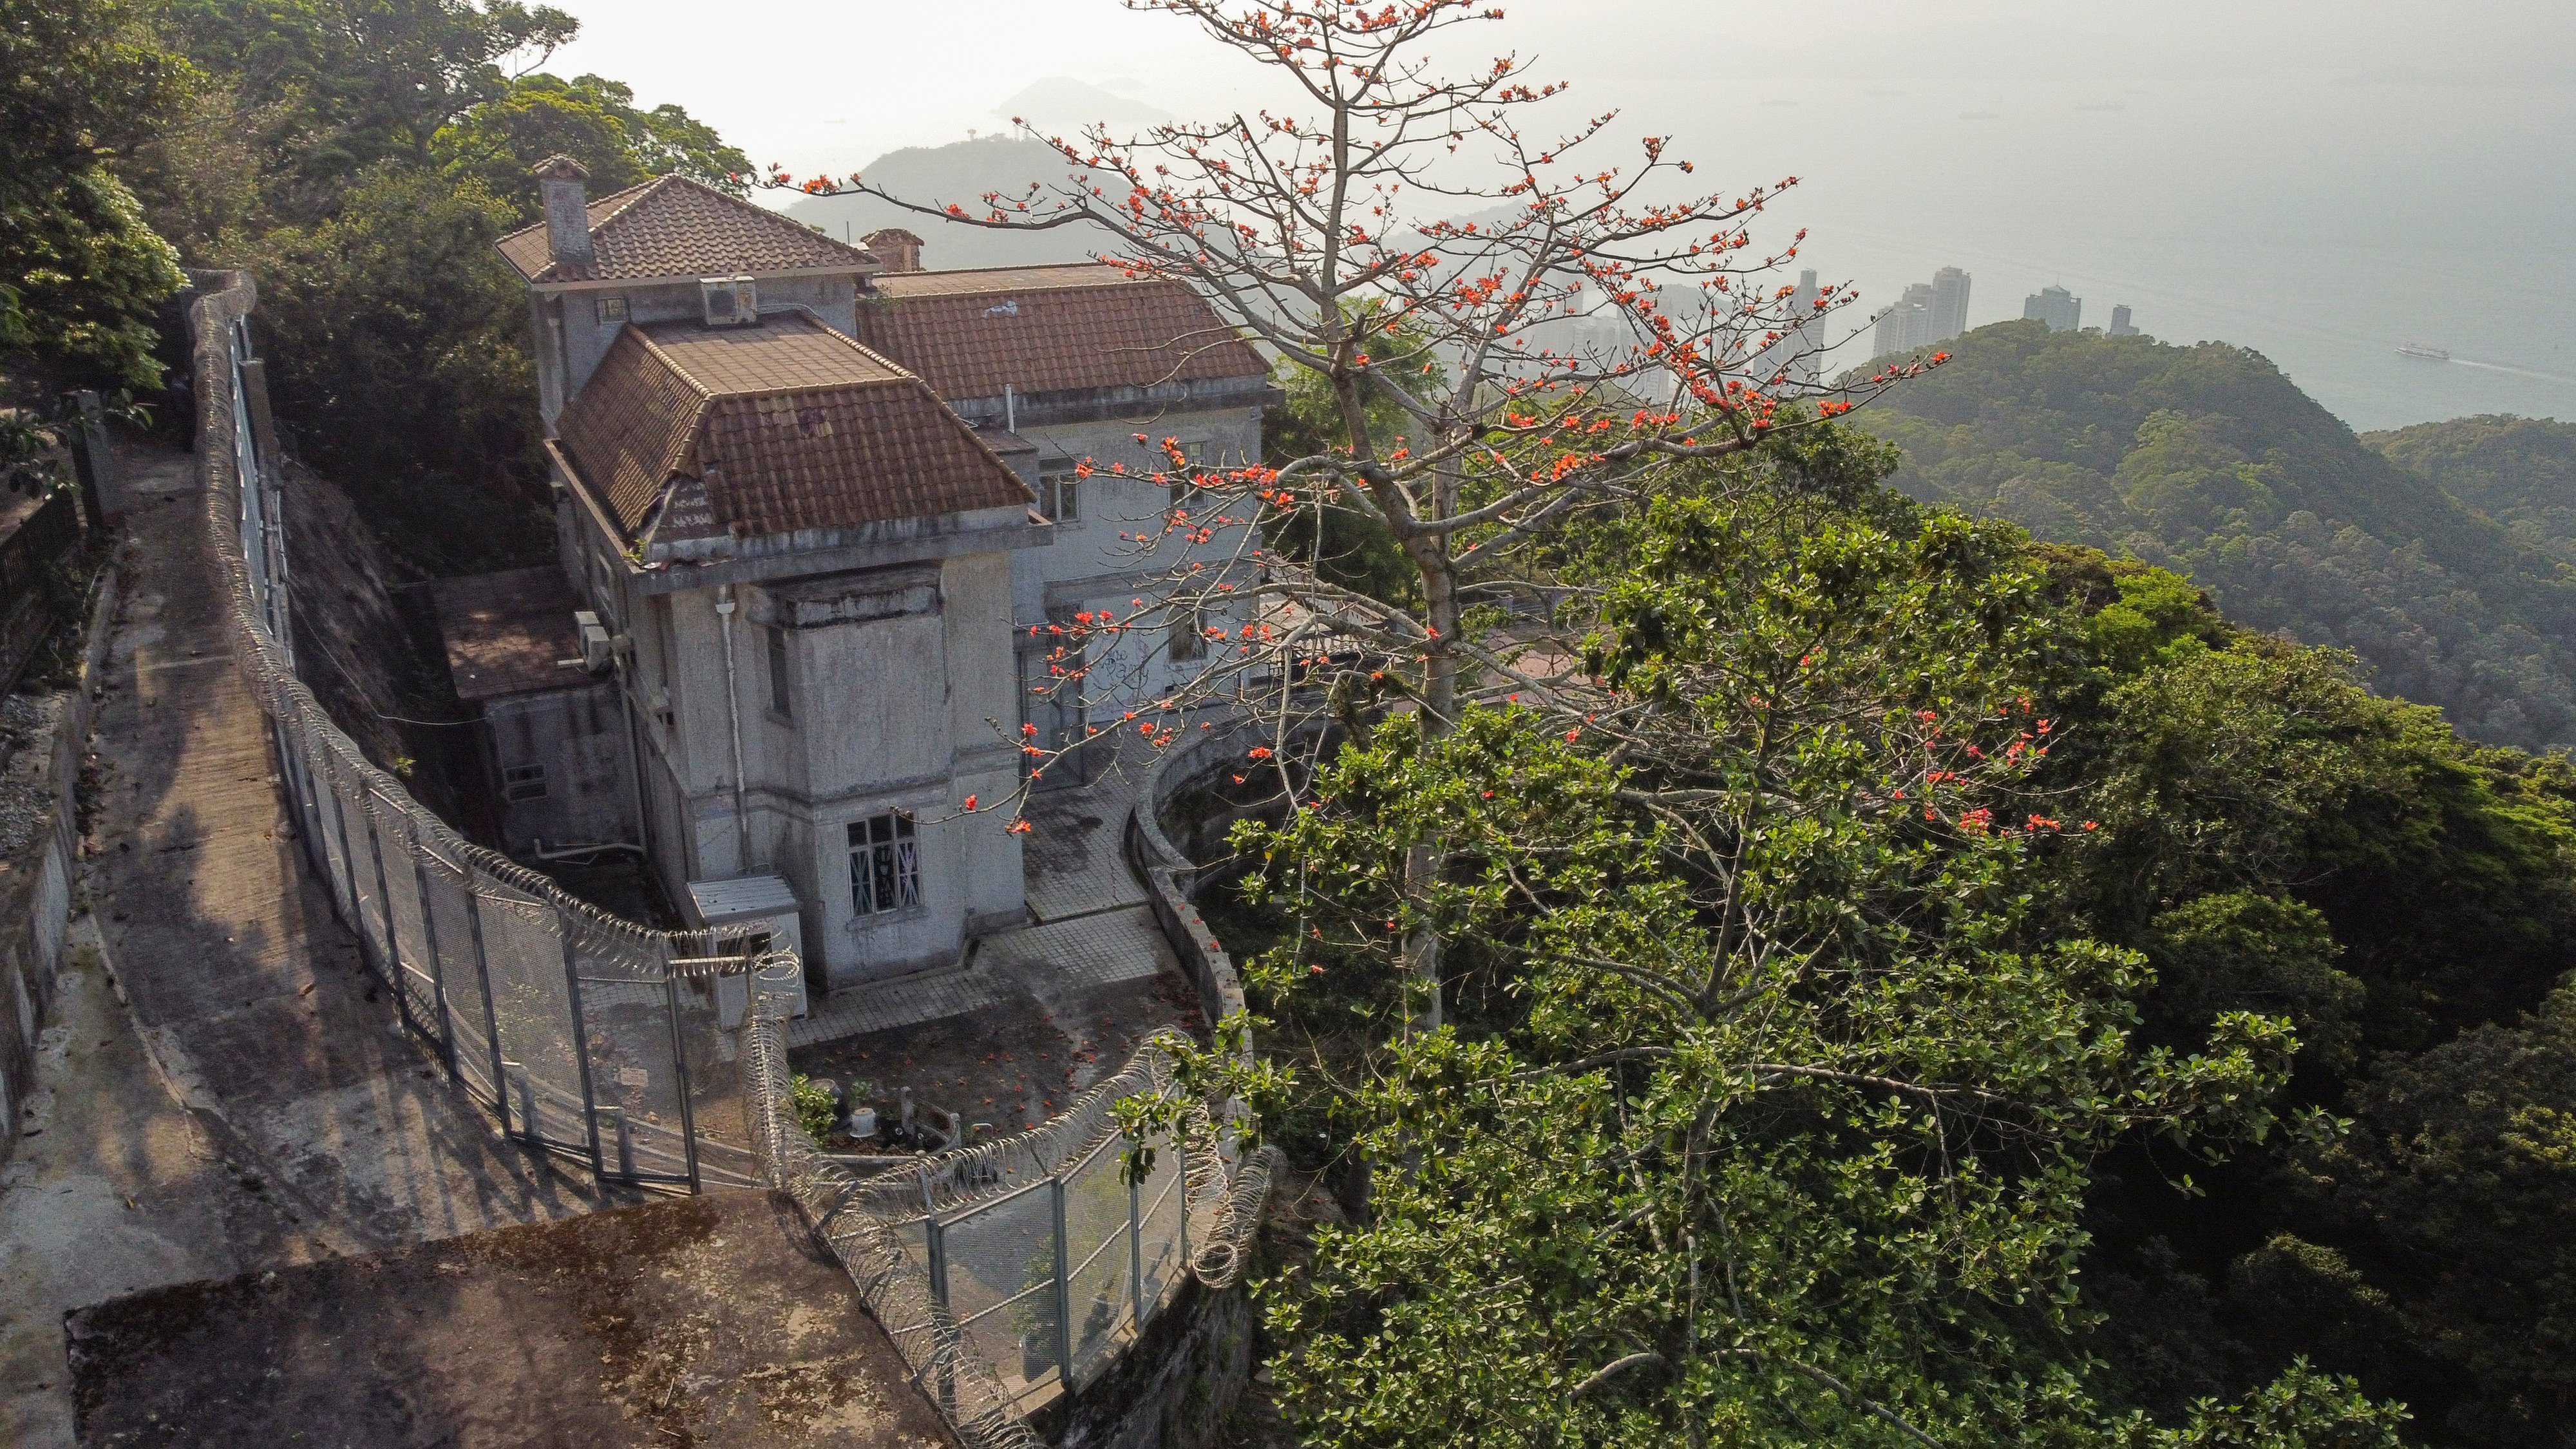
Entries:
{"x":361,"y":157}
{"x":1996,"y":1109}
{"x":2208,"y":461}
{"x":2521,"y":472}
{"x":81,"y":275}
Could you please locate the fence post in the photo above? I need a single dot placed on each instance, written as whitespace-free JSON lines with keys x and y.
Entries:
{"x":483,"y":979}
{"x":680,"y":1067}
{"x":390,"y":967}
{"x":580,"y":1043}
{"x":429,"y":934}
{"x":348,"y":859}
{"x":1136,"y":1253}
{"x":935,"y":1234}
{"x":1063,"y":1288}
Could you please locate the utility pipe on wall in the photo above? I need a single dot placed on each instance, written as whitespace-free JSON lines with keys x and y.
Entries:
{"x":733,"y":716}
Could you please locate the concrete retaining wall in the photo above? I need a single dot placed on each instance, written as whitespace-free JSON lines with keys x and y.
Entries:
{"x":1171,"y":1390}
{"x":43,"y":777}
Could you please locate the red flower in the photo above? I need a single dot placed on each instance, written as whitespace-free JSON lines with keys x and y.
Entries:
{"x":970,"y":802}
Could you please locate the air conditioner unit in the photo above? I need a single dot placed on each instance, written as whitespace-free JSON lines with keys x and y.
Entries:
{"x":730,"y":301}
{"x":594,"y":641}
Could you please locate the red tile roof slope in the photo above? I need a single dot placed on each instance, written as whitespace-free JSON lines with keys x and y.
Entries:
{"x":672,"y":226}
{"x":789,"y":424}
{"x":505,"y":632}
{"x":1049,"y":329}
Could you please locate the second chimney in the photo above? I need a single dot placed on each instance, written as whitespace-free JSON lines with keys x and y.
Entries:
{"x":898,"y":249}
{"x":560,"y":182}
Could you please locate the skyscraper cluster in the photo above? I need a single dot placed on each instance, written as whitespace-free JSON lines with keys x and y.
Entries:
{"x":1928,"y":313}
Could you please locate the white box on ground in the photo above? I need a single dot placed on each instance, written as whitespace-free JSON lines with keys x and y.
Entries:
{"x":749,"y":913}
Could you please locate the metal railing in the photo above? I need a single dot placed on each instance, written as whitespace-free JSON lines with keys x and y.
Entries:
{"x":624,"y":1047}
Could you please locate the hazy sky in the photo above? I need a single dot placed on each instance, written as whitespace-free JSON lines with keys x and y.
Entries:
{"x":2320,"y":181}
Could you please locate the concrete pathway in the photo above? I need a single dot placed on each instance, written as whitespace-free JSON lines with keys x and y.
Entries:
{"x":223,"y":1087}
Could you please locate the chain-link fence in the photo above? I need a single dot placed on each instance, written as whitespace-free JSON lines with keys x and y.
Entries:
{"x":1018,"y":1269}
{"x":583,"y":1033}
{"x":1005,"y":1272}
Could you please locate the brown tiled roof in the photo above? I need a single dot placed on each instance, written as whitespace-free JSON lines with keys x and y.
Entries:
{"x":1048,"y":329}
{"x":788,"y":425}
{"x":505,"y":632}
{"x":674,"y":227}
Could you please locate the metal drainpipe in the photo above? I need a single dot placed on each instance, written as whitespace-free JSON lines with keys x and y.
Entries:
{"x":733,"y":715}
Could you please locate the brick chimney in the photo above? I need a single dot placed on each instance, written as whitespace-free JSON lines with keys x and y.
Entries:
{"x":898,"y":249}
{"x":560,"y":181}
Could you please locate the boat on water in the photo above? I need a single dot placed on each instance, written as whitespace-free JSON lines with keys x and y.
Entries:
{"x":2429,"y":354}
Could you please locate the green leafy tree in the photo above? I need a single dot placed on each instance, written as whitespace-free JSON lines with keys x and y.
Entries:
{"x":395,"y":335}
{"x":1764,"y":1110}
{"x":593,"y":120}
{"x":81,"y":275}
{"x":348,"y":84}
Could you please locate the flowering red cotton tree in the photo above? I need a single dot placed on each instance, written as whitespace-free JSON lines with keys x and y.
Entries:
{"x":1546,"y":324}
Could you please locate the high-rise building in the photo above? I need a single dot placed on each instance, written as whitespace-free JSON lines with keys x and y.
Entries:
{"x":2061,"y":309}
{"x":1907,"y":325}
{"x":1949,"y":305}
{"x":2120,"y":322}
{"x":1928,"y":313}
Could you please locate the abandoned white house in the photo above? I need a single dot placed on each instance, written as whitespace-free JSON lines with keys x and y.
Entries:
{"x":810,"y":501}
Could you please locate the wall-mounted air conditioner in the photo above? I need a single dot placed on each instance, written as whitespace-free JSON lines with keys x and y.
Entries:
{"x":730,"y":301}
{"x":594,"y":641}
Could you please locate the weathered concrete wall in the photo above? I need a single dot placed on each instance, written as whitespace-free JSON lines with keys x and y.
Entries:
{"x":1091,"y":567}
{"x":39,"y":795}
{"x":898,"y":696}
{"x":1173,"y":1388}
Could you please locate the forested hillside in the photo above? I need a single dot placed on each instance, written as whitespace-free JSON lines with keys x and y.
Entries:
{"x":2521,"y":472}
{"x":2208,"y":461}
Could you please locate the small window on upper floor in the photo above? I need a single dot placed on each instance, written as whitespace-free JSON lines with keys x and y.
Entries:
{"x":523,"y":783}
{"x":1060,"y":490}
{"x":779,"y":699}
{"x":612,"y":308}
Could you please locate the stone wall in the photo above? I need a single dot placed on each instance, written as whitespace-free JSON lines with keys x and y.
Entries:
{"x":39,"y":794}
{"x":1173,"y":1388}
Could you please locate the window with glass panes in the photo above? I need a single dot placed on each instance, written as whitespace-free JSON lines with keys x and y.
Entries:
{"x":885,"y":867}
{"x":1060,"y":490}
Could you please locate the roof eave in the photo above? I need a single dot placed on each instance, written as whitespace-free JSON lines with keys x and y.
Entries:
{"x":681,"y":279}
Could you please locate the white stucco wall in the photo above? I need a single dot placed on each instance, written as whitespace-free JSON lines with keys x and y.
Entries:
{"x":1091,"y":568}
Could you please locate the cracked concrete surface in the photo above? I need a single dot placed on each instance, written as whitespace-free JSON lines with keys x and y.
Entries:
{"x":223,"y":1087}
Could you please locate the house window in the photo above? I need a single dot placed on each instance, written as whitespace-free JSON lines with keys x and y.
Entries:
{"x":612,"y":308}
{"x":1187,"y":642}
{"x":1060,"y":491}
{"x":885,"y":869}
{"x":778,"y":697}
{"x":522,"y":783}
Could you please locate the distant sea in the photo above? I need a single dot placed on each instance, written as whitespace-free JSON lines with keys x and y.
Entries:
{"x":2322,"y":219}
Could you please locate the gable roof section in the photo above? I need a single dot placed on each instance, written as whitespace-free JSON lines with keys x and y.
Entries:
{"x":788,"y":425}
{"x":1049,"y":329}
{"x":672,"y":226}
